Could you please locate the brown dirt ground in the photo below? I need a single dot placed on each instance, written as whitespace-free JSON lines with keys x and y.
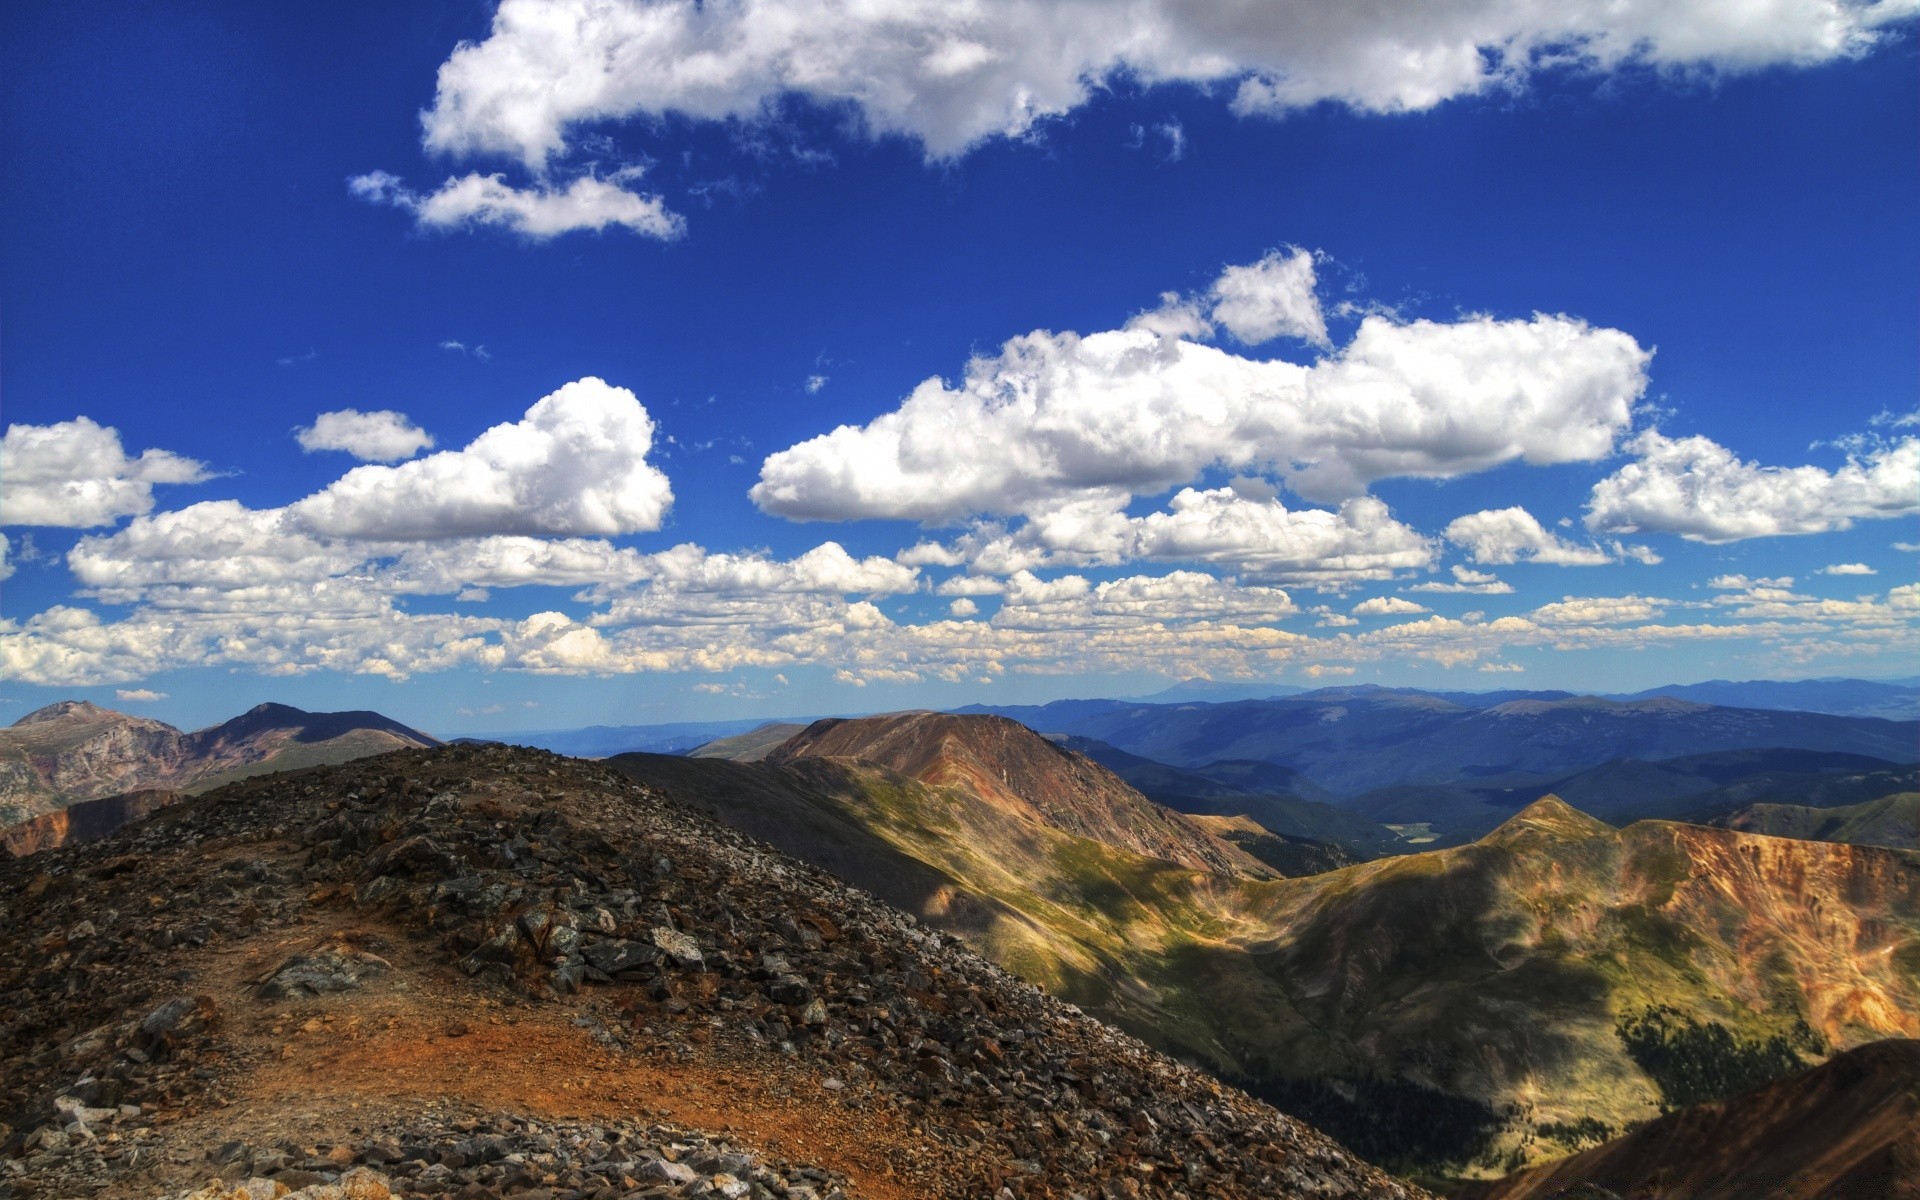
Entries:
{"x":313,"y":1069}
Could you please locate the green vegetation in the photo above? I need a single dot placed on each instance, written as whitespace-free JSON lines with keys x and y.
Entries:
{"x":1694,"y":1062}
{"x":1577,"y":1134}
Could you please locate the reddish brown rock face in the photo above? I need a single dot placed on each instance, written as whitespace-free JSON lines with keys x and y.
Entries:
{"x":74,"y":752}
{"x":1008,"y":765}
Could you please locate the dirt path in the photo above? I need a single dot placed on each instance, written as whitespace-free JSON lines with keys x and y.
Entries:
{"x":424,"y":1034}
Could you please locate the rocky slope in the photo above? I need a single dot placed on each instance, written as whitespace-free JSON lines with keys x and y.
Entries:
{"x":1847,"y":1128}
{"x":74,"y":751}
{"x":1004,"y":764}
{"x":84,"y":820}
{"x":481,"y":971}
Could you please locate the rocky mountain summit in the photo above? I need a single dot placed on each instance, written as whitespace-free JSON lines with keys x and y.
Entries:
{"x":73,"y":751}
{"x":482,"y":971}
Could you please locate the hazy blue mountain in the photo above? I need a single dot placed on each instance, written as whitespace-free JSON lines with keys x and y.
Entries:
{"x":605,"y":741}
{"x":1894,"y":699}
{"x":1354,"y":740}
{"x":1217,"y":692}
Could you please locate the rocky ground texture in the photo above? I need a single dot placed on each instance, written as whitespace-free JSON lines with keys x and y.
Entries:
{"x":481,"y":971}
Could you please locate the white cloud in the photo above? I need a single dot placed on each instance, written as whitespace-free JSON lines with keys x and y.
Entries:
{"x":1235,"y":528}
{"x":815,"y":383}
{"x":827,"y":569}
{"x":1905,"y":598}
{"x":576,"y":464}
{"x":76,"y":475}
{"x":1510,"y":535}
{"x":963,"y":607}
{"x":1598,"y":610}
{"x":383,"y":436}
{"x":6,"y":558}
{"x":1696,"y":488}
{"x":1847,"y":569}
{"x":1387,"y":606}
{"x":1059,"y":418}
{"x":1271,"y":298}
{"x":537,"y":213}
{"x":1466,"y":582}
{"x":139,"y":695}
{"x":217,"y":544}
{"x":950,"y":75}
{"x":1072,"y":601}
{"x":1729,"y":583}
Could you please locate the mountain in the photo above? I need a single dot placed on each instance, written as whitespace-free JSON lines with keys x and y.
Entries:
{"x":1849,"y":1127}
{"x":1569,"y":976}
{"x":84,"y":820}
{"x":1460,"y":1008}
{"x":73,"y":751}
{"x":1008,"y":767}
{"x":605,"y":741}
{"x":1353,"y":739}
{"x":1694,"y":787}
{"x":1896,"y":700}
{"x":1889,"y":821}
{"x":1283,"y":801}
{"x":440,"y":972}
{"x":1218,"y":690}
{"x":1289,"y":856}
{"x":751,"y":746}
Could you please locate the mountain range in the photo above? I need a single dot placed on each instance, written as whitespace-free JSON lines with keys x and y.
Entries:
{"x":1461,"y":1008}
{"x":72,"y":752}
{"x":1447,"y":1004}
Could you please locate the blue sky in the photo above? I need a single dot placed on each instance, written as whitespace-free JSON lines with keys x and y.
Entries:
{"x":1650,"y":286}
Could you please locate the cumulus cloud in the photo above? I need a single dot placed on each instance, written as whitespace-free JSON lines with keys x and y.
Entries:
{"x":139,"y":695}
{"x":1847,"y":569}
{"x":950,"y":76}
{"x":75,"y":474}
{"x":1238,"y":528}
{"x":382,"y":436}
{"x":1271,"y":298}
{"x":1598,"y":610}
{"x":575,"y":465}
{"x":1510,"y":535}
{"x":1466,"y":582}
{"x":6,"y":558}
{"x":1387,"y":606}
{"x":537,"y":213}
{"x":1743,"y":582}
{"x":1699,"y":489}
{"x":1072,"y":601}
{"x":1060,"y":418}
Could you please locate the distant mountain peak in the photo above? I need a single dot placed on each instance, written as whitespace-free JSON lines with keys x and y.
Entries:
{"x":62,"y":709}
{"x":1552,"y":817}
